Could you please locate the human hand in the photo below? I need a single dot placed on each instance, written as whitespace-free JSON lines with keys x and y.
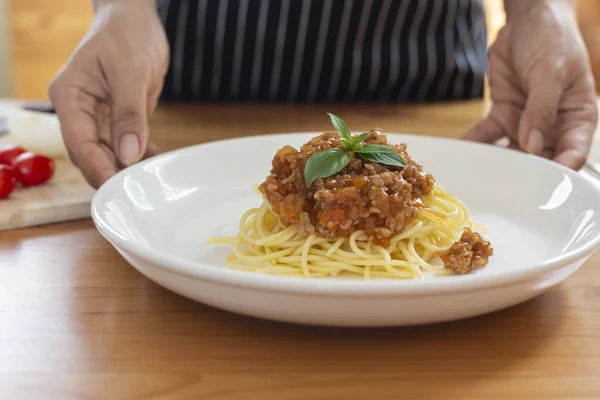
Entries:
{"x":109,"y":88}
{"x":541,"y":84}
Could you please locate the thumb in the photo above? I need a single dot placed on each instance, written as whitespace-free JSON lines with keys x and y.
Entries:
{"x":502,"y":119}
{"x":538,"y":117}
{"x":129,"y":120}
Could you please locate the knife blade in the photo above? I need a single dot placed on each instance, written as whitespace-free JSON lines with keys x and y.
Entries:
{"x":40,"y":107}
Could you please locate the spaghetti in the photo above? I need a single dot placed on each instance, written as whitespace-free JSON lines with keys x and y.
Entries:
{"x":265,"y":245}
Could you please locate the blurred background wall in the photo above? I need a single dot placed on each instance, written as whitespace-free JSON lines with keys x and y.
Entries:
{"x":43,"y":33}
{"x":37,"y":37}
{"x":5,"y":62}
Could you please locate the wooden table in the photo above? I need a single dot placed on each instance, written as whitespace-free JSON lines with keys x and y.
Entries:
{"x":77,"y":322}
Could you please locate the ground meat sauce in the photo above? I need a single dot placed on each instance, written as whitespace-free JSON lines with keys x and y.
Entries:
{"x":379,"y":199}
{"x":470,"y":252}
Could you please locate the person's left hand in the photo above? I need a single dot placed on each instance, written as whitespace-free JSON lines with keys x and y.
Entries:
{"x":541,"y":84}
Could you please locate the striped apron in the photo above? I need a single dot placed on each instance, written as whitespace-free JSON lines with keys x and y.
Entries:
{"x":324,"y":50}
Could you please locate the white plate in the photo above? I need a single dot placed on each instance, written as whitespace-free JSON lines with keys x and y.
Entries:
{"x":543,"y":221}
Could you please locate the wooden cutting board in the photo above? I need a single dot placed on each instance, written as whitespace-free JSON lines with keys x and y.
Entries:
{"x":66,"y":197}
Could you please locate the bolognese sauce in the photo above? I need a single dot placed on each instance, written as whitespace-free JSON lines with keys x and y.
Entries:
{"x":468,"y":253}
{"x":381,"y":200}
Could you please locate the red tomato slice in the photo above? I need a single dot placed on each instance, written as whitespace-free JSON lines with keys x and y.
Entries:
{"x":34,"y":169}
{"x":8,"y":181}
{"x":9,"y":152}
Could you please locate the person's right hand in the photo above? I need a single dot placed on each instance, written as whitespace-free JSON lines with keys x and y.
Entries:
{"x":108,"y":90}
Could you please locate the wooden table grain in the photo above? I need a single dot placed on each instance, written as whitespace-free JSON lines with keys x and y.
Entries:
{"x":77,"y":322}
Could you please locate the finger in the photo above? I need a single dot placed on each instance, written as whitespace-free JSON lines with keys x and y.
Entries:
{"x":99,"y":169}
{"x":488,"y":130}
{"x":151,"y":105}
{"x":501,"y":120}
{"x":573,"y":146}
{"x":577,"y":121}
{"x":153,"y":96}
{"x":75,"y":111}
{"x":573,"y":159}
{"x":539,"y":116}
{"x":151,"y":151}
{"x":128,"y":118}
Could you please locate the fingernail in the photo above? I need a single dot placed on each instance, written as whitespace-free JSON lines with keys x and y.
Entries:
{"x":535,"y":143}
{"x":129,"y":148}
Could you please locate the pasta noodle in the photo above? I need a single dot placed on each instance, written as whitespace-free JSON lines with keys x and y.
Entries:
{"x":265,"y":245}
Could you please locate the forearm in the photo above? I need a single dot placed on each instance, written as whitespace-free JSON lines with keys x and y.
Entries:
{"x":518,"y":8}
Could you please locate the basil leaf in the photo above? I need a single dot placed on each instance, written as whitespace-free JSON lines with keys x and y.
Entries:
{"x":380,"y":154}
{"x":357,"y":140}
{"x":324,"y":164}
{"x":342,"y":129}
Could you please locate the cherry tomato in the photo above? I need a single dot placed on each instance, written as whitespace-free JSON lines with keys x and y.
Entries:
{"x":8,"y":181}
{"x":33,"y":169}
{"x":9,"y":152}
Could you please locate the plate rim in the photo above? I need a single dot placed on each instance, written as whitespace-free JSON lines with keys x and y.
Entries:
{"x":222,"y":275}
